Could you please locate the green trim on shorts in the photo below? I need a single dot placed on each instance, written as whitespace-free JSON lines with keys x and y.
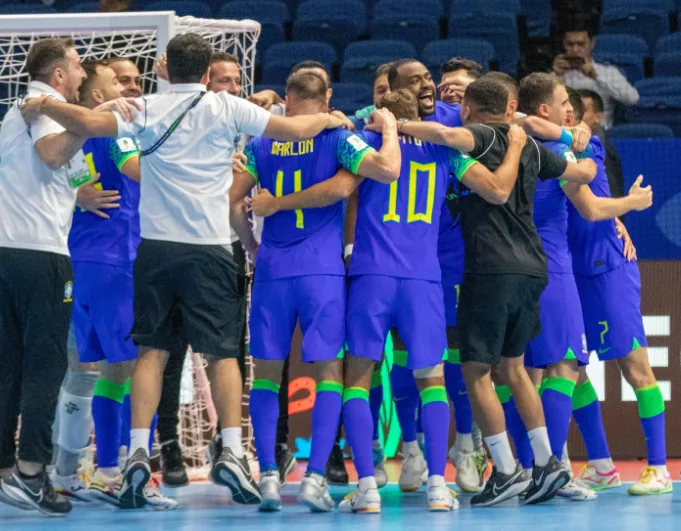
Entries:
{"x":126,"y":387}
{"x":570,"y":355}
{"x":341,"y":353}
{"x":635,"y":345}
{"x":266,"y":385}
{"x":650,"y":401}
{"x":400,"y":357}
{"x":330,"y":386}
{"x":454,"y":356}
{"x":376,"y":378}
{"x":111,"y":390}
{"x":584,"y":395}
{"x":503,"y":393}
{"x":350,"y":393}
{"x":559,"y":385}
{"x":434,"y":393}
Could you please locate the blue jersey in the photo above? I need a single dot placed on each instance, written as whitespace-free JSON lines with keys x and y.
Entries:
{"x":110,"y":241}
{"x":551,"y":216}
{"x":595,"y":246}
{"x":446,"y":114}
{"x":302,"y":242}
{"x":398,"y":224}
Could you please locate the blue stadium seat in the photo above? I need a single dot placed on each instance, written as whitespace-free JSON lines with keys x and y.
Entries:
{"x":437,"y":52}
{"x":640,"y":131}
{"x":499,"y":29}
{"x":84,"y":7}
{"x":666,"y":5}
{"x":279,"y":58}
{"x":362,"y":58}
{"x":668,"y":43}
{"x":627,"y":52}
{"x":279,"y":89}
{"x":503,"y":7}
{"x":350,"y":97}
{"x":538,"y":17}
{"x":660,"y":102}
{"x":645,"y":22}
{"x":272,"y":14}
{"x":333,"y":21}
{"x":26,"y":9}
{"x":401,"y":8}
{"x":668,"y":64}
{"x":182,"y":8}
{"x":416,"y":28}
{"x":621,"y":43}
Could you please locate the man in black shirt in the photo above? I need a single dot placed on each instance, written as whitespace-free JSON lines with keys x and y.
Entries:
{"x":504,"y":275}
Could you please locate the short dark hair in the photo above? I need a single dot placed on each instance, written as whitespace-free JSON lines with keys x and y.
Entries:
{"x":307,"y":86}
{"x":507,"y":81}
{"x":90,"y":66}
{"x":578,"y":23}
{"x":472,"y":68}
{"x":594,"y":96}
{"x":382,"y":70}
{"x":488,"y":95}
{"x":189,"y":56}
{"x":535,"y":89}
{"x":576,"y":103}
{"x":308,"y":64}
{"x":402,"y":103}
{"x":219,"y":57}
{"x":43,"y":54}
{"x":394,"y":70}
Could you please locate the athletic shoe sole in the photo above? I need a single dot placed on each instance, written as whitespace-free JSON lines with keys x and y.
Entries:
{"x":174,"y":485}
{"x":97,"y":495}
{"x":514,"y":490}
{"x":553,"y":483}
{"x":631,"y":492}
{"x":4,"y":498}
{"x":314,"y":505}
{"x":234,"y":478}
{"x":270,"y":506}
{"x":18,"y":496}
{"x":132,"y":493}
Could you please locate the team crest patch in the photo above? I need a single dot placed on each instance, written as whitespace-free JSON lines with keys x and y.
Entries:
{"x":357,"y":143}
{"x":68,"y":292}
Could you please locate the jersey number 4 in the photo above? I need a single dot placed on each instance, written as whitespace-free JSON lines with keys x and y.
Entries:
{"x":297,"y":187}
{"x":415,"y":171}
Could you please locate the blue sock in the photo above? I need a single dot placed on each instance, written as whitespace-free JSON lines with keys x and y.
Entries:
{"x":126,"y":416}
{"x":515,"y":427}
{"x":107,"y":404}
{"x":456,"y":389}
{"x":357,"y":422}
{"x":325,"y":418}
{"x":556,"y":398}
{"x":435,"y":413}
{"x":263,"y":406}
{"x":152,"y":432}
{"x":375,"y":401}
{"x":406,"y":397}
{"x":587,"y":414}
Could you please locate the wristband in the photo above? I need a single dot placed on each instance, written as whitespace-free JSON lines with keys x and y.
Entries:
{"x":348,"y":250}
{"x":565,"y":137}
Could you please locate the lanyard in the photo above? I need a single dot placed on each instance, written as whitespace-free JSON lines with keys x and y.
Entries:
{"x":172,"y":127}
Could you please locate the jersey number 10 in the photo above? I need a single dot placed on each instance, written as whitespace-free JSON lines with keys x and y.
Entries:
{"x":414,"y":170}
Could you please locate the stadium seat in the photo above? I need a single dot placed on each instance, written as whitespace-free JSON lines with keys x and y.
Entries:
{"x":182,"y":8}
{"x":437,"y":52}
{"x":660,"y":102}
{"x":333,"y":21}
{"x":627,"y":52}
{"x":502,"y":7}
{"x":501,"y":30}
{"x":362,"y":58}
{"x":415,"y":28}
{"x":668,"y":64}
{"x":26,"y":9}
{"x":668,"y":43}
{"x":272,"y":14}
{"x":401,"y":8}
{"x":648,"y":23}
{"x":279,"y":89}
{"x":538,"y":17}
{"x":279,"y":58}
{"x":640,"y":131}
{"x":666,"y":5}
{"x":350,"y":97}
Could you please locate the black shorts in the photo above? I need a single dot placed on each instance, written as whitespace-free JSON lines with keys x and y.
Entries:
{"x":190,"y":292}
{"x":498,"y":315}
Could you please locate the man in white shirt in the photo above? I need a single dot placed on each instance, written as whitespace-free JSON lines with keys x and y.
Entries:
{"x":41,"y":168}
{"x":579,"y":71}
{"x":185,"y":277}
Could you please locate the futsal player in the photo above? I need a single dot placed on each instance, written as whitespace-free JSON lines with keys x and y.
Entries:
{"x":128,"y":76}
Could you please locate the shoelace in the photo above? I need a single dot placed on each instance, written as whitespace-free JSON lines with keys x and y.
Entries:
{"x":648,"y":474}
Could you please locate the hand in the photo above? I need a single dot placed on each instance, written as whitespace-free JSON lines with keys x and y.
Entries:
{"x":560,"y":65}
{"x":629,"y":251}
{"x":32,"y":107}
{"x":239,"y":161}
{"x":264,"y":204}
{"x":580,"y":138}
{"x":516,"y":137}
{"x":643,"y":196}
{"x":161,"y":67}
{"x":126,"y":107}
{"x":335,"y":122}
{"x":347,"y":123}
{"x":93,"y":199}
{"x":453,"y":91}
{"x":588,"y":69}
{"x":264,"y":99}
{"x":378,"y":119}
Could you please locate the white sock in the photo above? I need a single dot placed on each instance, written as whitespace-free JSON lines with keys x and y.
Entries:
{"x":231,"y":438}
{"x":662,"y":469}
{"x":500,"y":449}
{"x":319,"y":479}
{"x":603,"y":466}
{"x":139,"y":438}
{"x":411,"y":448}
{"x":366,"y":483}
{"x":565,"y":452}
{"x":436,"y":481}
{"x":464,"y":442}
{"x":110,"y":472}
{"x":541,"y":446}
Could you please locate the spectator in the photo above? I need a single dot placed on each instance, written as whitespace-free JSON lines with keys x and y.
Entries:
{"x":114,"y":6}
{"x":579,"y":71}
{"x":457,"y":74}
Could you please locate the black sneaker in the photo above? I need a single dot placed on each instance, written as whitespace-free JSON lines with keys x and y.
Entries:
{"x":501,"y":487}
{"x":546,"y":480}
{"x":172,"y":465}
{"x":214,"y":449}
{"x":235,"y":473}
{"x":137,"y":474}
{"x":286,"y":463}
{"x":36,"y":492}
{"x":335,"y":468}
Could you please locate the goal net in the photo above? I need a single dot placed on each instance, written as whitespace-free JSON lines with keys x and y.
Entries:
{"x":141,"y":37}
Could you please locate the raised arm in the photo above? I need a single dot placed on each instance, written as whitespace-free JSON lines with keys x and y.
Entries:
{"x":580,"y":172}
{"x":593,"y":208}
{"x":296,"y":128}
{"x":458,"y":138}
{"x":57,"y":149}
{"x":384,"y":165}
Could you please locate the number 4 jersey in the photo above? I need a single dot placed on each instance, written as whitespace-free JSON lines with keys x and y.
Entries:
{"x":398,"y":224}
{"x":302,"y":242}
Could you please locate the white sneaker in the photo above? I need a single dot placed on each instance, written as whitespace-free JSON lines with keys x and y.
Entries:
{"x":653,"y":482}
{"x":467,"y":476}
{"x":105,"y":488}
{"x":576,"y":490}
{"x":314,"y":494}
{"x":74,"y":487}
{"x":442,"y":499}
{"x":595,"y":480}
{"x":379,"y":465}
{"x":414,"y":466}
{"x":366,"y":502}
{"x":155,"y":498}
{"x":270,"y":488}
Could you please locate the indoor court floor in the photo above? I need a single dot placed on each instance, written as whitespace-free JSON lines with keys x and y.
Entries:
{"x":205,"y":507}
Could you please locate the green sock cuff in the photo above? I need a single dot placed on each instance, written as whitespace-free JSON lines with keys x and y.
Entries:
{"x":355,"y":392}
{"x":559,"y":385}
{"x":376,"y":379}
{"x":584,"y":395}
{"x":266,"y":385}
{"x":110,"y":390}
{"x":504,"y":393}
{"x":330,"y":386}
{"x":650,"y":401}
{"x":126,"y":387}
{"x":400,"y":357}
{"x":454,"y":356}
{"x":434,"y":393}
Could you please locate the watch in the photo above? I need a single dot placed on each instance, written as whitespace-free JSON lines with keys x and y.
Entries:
{"x":400,"y":123}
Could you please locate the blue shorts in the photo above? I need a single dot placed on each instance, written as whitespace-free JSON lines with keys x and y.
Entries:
{"x":611,"y":305}
{"x":102,"y":315}
{"x":318,"y":301}
{"x":562,"y":326}
{"x":415,"y":307}
{"x":451,"y":284}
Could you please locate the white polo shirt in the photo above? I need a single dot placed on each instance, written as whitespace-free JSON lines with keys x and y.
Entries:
{"x":36,"y":203}
{"x":185,"y":182}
